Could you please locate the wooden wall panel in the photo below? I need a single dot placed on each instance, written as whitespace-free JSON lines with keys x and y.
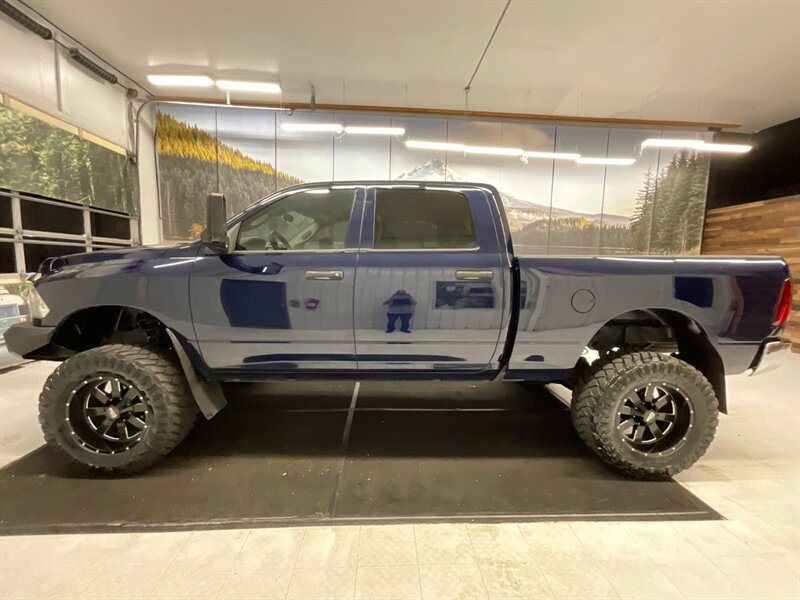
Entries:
{"x":764,"y":227}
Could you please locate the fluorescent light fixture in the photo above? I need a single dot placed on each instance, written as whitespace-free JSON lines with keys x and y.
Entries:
{"x":698,"y":145}
{"x":732,"y":148}
{"x":326,"y":127}
{"x":424,"y":145}
{"x":248,"y":86}
{"x":375,"y":130}
{"x":552,"y":155}
{"x":493,"y":150}
{"x":588,"y":160}
{"x":181,"y":80}
{"x":670,"y":143}
{"x":452,"y":147}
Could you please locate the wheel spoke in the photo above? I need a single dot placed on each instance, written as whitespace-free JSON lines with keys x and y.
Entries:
{"x":139,"y":407}
{"x":122,"y":431}
{"x":106,"y":425}
{"x":128,"y":397}
{"x":638,"y":433}
{"x":626,"y":425}
{"x":115,"y":389}
{"x":654,"y":429}
{"x":100,"y":395}
{"x":663,"y":401}
{"x":650,"y":392}
{"x":136,"y":422}
{"x":627,"y":410}
{"x":634,"y":399}
{"x":95,"y":411}
{"x":662,"y":416}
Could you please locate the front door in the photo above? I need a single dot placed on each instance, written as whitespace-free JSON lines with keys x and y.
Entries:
{"x":430,"y":286}
{"x":282,"y":300}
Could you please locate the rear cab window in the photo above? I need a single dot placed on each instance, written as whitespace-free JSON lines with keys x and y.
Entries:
{"x":419,"y":219}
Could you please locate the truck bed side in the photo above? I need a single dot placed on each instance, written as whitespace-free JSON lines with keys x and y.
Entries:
{"x":566,"y":301}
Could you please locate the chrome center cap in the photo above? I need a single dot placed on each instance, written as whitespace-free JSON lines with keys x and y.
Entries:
{"x":112,"y":413}
{"x":649,"y":417}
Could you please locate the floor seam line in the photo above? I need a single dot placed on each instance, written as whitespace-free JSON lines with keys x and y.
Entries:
{"x":348,"y":425}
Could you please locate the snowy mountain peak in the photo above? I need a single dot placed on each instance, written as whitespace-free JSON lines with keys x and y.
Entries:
{"x":433,"y":169}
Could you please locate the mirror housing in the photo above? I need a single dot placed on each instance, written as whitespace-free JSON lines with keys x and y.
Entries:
{"x":215,"y":236}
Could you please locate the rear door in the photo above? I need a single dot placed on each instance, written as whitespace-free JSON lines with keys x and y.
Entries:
{"x":282,"y":300}
{"x":431,"y":289}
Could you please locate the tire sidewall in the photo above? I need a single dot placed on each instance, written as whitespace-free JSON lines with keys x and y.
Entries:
{"x":60,"y":388}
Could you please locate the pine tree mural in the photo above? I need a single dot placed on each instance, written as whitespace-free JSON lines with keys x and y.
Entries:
{"x":668,"y":218}
{"x":192,"y":164}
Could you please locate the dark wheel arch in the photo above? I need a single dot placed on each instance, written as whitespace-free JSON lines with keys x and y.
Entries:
{"x":669,"y":332}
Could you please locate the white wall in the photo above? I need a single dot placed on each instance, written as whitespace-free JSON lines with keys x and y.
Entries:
{"x":150,"y":212}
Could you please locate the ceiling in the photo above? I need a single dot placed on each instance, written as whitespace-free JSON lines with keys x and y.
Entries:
{"x":721,"y":61}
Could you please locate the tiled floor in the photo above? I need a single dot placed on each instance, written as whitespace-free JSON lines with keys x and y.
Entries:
{"x":751,"y":475}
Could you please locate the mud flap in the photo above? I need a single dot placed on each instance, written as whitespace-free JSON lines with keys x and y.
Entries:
{"x":208,"y":394}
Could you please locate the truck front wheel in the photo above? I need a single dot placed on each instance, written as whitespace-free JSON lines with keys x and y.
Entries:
{"x":652,"y":415}
{"x":118,"y":408}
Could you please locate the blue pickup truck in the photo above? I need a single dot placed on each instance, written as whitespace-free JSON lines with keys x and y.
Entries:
{"x":399,"y":281}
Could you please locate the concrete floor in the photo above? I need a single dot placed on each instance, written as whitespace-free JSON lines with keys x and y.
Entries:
{"x":751,"y":475}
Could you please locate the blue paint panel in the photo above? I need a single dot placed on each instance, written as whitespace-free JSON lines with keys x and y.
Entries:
{"x":696,"y":290}
{"x":260,"y":304}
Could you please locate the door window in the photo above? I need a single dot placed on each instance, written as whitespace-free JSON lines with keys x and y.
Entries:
{"x":422,"y":219}
{"x":308,"y":220}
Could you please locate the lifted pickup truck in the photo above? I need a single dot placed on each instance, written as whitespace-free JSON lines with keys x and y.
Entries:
{"x":382,"y":280}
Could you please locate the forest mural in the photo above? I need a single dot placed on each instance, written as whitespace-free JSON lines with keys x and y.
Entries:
{"x":192,"y":163}
{"x":39,"y":158}
{"x":655,"y":206}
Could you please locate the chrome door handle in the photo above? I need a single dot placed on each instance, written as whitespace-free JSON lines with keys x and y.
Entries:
{"x":474,"y":275}
{"x":325,"y":275}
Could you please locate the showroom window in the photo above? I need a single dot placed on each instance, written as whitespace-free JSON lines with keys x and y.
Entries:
{"x":422,"y":219}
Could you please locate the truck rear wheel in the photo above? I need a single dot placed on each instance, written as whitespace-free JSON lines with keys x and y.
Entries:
{"x":652,"y":415}
{"x":118,"y":408}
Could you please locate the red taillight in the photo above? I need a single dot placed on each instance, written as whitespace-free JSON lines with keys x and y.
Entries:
{"x":784,"y":304}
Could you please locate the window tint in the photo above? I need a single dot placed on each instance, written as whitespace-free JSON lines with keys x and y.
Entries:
{"x":312,"y":220}
{"x":423,"y":219}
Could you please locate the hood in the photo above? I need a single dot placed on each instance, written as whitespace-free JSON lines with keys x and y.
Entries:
{"x":137,"y":254}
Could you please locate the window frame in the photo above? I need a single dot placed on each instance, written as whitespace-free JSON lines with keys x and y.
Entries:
{"x":235,"y":230}
{"x":476,"y":247}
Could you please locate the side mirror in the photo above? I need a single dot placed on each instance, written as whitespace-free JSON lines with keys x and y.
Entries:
{"x":215,"y":236}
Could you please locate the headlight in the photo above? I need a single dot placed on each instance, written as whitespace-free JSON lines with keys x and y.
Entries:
{"x":36,"y":303}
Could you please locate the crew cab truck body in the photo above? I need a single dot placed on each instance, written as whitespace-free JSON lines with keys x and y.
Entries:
{"x":388,"y":280}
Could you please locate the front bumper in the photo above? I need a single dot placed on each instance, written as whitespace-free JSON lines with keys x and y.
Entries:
{"x":765,"y":358}
{"x":28,"y":340}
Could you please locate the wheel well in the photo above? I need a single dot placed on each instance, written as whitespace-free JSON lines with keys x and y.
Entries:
{"x":99,"y":325}
{"x":665,"y":331}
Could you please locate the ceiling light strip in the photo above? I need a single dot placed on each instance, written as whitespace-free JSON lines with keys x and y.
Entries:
{"x":699,"y":145}
{"x":597,"y":160}
{"x":324,"y":127}
{"x":490,"y":150}
{"x":358,"y":130}
{"x":248,"y":86}
{"x":181,"y":80}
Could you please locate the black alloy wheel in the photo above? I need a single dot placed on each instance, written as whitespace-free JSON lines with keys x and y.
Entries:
{"x":108,"y":414}
{"x":655,"y":418}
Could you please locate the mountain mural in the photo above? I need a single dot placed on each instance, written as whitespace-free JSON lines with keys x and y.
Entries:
{"x":667,"y":219}
{"x":436,"y":170}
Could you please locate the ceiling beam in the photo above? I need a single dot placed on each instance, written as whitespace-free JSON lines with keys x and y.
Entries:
{"x":446,"y":112}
